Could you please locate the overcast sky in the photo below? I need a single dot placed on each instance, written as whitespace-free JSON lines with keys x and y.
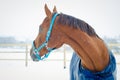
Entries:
{"x":21,"y":18}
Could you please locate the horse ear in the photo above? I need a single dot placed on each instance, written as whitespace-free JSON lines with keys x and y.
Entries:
{"x":54,"y":10}
{"x":47,"y":11}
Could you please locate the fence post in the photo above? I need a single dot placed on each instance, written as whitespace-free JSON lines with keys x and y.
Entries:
{"x":26,"y":56}
{"x":64,"y":58}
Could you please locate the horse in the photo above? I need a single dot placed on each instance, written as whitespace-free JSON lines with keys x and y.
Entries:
{"x":91,"y":60}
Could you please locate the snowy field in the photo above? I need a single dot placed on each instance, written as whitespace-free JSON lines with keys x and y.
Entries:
{"x":46,"y":70}
{"x":43,"y":70}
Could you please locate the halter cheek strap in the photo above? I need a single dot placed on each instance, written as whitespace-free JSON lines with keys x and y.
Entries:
{"x":44,"y":44}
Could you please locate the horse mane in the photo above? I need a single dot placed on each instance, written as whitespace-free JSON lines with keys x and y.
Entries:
{"x":76,"y":23}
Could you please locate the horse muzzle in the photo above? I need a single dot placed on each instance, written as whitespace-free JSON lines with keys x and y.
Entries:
{"x":33,"y":56}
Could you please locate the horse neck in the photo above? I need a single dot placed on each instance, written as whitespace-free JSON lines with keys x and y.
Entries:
{"x":78,"y":39}
{"x":88,"y":48}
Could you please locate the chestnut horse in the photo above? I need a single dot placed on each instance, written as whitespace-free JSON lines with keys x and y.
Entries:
{"x":91,"y":60}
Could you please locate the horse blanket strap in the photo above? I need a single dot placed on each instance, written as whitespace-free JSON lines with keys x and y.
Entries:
{"x":78,"y":72}
{"x":44,"y":44}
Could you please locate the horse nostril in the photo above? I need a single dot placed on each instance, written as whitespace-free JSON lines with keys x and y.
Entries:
{"x":31,"y":50}
{"x":32,"y":53}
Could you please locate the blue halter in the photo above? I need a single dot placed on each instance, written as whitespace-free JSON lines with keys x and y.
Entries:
{"x":44,"y":44}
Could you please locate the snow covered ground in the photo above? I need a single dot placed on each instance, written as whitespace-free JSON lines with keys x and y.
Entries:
{"x":43,"y":70}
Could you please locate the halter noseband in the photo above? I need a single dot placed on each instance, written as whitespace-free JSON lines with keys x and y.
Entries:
{"x":44,"y":44}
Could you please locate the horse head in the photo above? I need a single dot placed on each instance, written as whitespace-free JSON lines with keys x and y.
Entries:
{"x":48,"y":38}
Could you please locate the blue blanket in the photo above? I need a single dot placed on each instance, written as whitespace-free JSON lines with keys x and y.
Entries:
{"x":77,"y":72}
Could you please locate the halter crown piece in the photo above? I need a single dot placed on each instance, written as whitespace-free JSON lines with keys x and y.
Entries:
{"x":44,"y":44}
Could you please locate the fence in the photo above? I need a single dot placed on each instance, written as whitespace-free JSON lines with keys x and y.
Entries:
{"x":26,"y":48}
